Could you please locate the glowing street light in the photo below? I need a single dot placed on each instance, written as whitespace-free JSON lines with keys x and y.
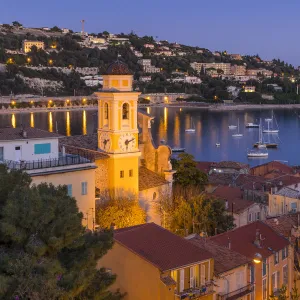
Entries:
{"x":13,"y":102}
{"x":257,"y":258}
{"x":50,"y":61}
{"x":28,"y":60}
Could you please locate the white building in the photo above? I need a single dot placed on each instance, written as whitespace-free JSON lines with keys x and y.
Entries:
{"x":225,"y":67}
{"x":93,"y":80}
{"x":144,"y":62}
{"x":151,"y":69}
{"x":150,"y":46}
{"x":145,"y":78}
{"x":138,"y":53}
{"x":187,"y":79}
{"x":37,"y":153}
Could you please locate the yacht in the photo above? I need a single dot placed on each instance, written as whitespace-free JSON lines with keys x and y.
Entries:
{"x":178,"y":150}
{"x":252,"y":125}
{"x":238,"y":134}
{"x":271,"y":128}
{"x":253,"y":153}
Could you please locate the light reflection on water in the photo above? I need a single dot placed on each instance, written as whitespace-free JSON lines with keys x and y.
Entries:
{"x":170,"y":123}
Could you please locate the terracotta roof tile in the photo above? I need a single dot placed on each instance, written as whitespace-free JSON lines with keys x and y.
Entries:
{"x":230,"y":164}
{"x":221,"y":178}
{"x":149,"y":179}
{"x":160,"y":247}
{"x":242,"y":240}
{"x":9,"y":134}
{"x":234,"y":196}
{"x":87,"y":142}
{"x":224,"y":258}
{"x":266,"y":168}
{"x":285,"y":224}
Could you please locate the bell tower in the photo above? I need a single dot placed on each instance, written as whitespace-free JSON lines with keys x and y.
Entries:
{"x":117,"y":128}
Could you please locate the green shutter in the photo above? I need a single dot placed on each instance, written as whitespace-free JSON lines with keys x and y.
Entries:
{"x":42,"y":148}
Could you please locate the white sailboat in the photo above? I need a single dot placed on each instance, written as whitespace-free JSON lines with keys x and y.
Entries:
{"x":271,"y":128}
{"x":238,"y":134}
{"x":260,"y":144}
{"x":232,"y":126}
{"x":192,"y":129}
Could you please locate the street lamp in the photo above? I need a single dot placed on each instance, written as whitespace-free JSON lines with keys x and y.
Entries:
{"x":28,"y":60}
{"x":50,"y":61}
{"x":257,"y":258}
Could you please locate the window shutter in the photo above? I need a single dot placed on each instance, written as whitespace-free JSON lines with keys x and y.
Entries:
{"x":192,"y":277}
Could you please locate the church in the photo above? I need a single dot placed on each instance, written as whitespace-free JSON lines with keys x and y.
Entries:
{"x":128,"y":163}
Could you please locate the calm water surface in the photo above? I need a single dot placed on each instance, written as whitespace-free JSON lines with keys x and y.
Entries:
{"x":170,"y":124}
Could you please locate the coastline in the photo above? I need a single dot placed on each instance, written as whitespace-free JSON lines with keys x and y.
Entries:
{"x":45,"y":109}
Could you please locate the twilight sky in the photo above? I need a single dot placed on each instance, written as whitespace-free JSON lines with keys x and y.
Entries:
{"x":265,"y":27}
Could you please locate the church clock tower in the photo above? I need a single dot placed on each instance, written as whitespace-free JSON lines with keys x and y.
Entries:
{"x":117,"y":128}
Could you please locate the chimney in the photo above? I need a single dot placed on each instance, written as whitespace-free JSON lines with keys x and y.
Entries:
{"x":257,"y":239}
{"x":226,"y":204}
{"x":24,"y":133}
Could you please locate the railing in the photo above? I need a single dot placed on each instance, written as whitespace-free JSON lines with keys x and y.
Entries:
{"x":197,"y":292}
{"x":67,"y":160}
{"x":237,"y":293}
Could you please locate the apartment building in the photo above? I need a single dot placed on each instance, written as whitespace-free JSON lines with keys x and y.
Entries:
{"x":271,"y":253}
{"x":152,"y":263}
{"x":249,"y":89}
{"x":256,"y":72}
{"x":238,"y":70}
{"x":37,"y":153}
{"x":151,"y":69}
{"x":144,"y":62}
{"x":231,"y":270}
{"x":26,"y":46}
{"x":225,"y":67}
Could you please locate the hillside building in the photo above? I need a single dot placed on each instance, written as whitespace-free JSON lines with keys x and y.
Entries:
{"x":26,"y":46}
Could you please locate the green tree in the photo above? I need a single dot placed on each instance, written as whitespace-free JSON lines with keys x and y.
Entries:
{"x":16,"y":24}
{"x":120,"y":211}
{"x":281,"y":294}
{"x":45,"y":252}
{"x":187,"y":173}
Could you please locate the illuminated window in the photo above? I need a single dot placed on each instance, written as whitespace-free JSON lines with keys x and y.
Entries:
{"x":130,"y":173}
{"x":125,"y":111}
{"x":125,"y":82}
{"x":105,"y":111}
{"x":121,"y":174}
{"x":115,"y":83}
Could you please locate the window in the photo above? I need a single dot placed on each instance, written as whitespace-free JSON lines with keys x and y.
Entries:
{"x":264,"y":268}
{"x":174,"y":275}
{"x":264,"y":288}
{"x":69,"y":187}
{"x":83,"y":188}
{"x":285,"y":275}
{"x":115,"y":83}
{"x":125,"y":82}
{"x":250,"y":217}
{"x":252,"y":274}
{"x":106,"y":111}
{"x":276,"y":258}
{"x":121,"y":174}
{"x":1,"y":153}
{"x":294,"y":206}
{"x":130,"y":173}
{"x":42,"y":148}
{"x":202,"y":275}
{"x":258,"y":215}
{"x":284,"y":253}
{"x":125,"y":111}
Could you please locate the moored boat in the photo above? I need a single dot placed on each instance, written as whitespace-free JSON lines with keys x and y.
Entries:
{"x":178,"y":149}
{"x":252,"y":125}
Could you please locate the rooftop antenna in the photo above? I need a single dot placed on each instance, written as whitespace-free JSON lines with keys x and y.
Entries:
{"x":82,"y":27}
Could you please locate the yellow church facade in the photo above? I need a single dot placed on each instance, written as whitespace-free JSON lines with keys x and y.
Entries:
{"x":127,"y":161}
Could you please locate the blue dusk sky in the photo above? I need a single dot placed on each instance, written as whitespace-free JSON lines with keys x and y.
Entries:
{"x":265,"y":27}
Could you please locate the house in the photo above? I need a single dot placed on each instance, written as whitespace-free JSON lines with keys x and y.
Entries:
{"x":271,"y":253}
{"x":235,"y":56}
{"x":150,"y":46}
{"x":37,"y":152}
{"x":231,"y":270}
{"x":243,"y":211}
{"x":238,"y":70}
{"x":26,"y":45}
{"x":152,"y":263}
{"x":271,"y":167}
{"x":249,"y":89}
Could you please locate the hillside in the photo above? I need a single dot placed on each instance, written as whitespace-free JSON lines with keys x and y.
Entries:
{"x":69,"y":63}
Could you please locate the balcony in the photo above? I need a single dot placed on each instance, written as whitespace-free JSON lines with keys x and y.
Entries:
{"x":61,"y":161}
{"x":248,"y":289}
{"x":197,"y":292}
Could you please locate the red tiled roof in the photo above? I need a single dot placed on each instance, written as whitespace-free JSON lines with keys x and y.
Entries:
{"x":221,"y":178}
{"x":286,"y":180}
{"x":234,"y":196}
{"x":284,"y":224}
{"x":204,"y":166}
{"x":224,"y":258}
{"x":149,"y":179}
{"x":242,"y":240}
{"x":159,"y":246}
{"x":9,"y":134}
{"x":246,"y":181}
{"x":266,"y":168}
{"x":230,"y":164}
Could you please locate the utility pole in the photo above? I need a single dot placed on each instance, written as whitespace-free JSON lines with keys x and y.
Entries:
{"x":82,"y":27}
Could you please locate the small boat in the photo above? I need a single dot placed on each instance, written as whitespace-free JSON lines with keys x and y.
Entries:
{"x":232,"y":126}
{"x":253,"y":153}
{"x":177,"y":150}
{"x":192,"y":129}
{"x":218,"y":144}
{"x":238,"y":134}
{"x":252,"y":125}
{"x":271,"y":129}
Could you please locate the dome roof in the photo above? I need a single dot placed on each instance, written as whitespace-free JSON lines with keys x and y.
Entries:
{"x":118,"y":68}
